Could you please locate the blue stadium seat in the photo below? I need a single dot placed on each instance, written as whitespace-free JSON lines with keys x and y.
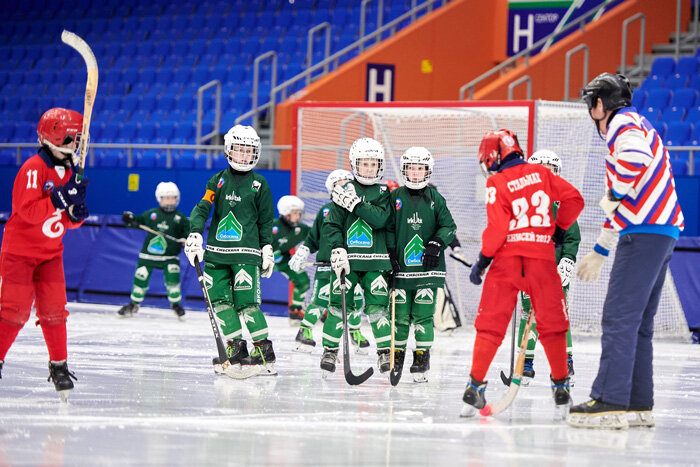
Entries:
{"x":184,"y":159}
{"x":158,"y":115}
{"x":684,"y":98}
{"x":658,"y":98}
{"x":182,"y":75}
{"x":694,"y":82}
{"x":7,"y":131}
{"x":676,"y":81}
{"x":108,"y":132}
{"x":166,"y":130}
{"x":678,"y":133}
{"x":127,"y":132}
{"x":653,"y":82}
{"x":679,"y":166}
{"x":8,"y":157}
{"x":147,"y":102}
{"x":672,"y":114}
{"x":146,"y":159}
{"x":200,"y":162}
{"x":166,"y":102}
{"x":146,"y":130}
{"x":147,"y":75}
{"x":111,"y":158}
{"x":695,"y":136}
{"x":693,"y":116}
{"x":688,"y":65}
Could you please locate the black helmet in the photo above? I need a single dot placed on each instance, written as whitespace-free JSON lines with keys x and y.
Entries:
{"x":614,"y":90}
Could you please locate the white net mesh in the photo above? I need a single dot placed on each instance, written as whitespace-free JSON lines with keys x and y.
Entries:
{"x":452,"y":132}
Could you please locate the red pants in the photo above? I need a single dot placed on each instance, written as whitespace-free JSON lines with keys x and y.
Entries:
{"x":25,"y":279}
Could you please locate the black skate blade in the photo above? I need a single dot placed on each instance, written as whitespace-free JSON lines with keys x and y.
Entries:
{"x":394,"y":377}
{"x":355,"y":380}
{"x":506,"y":379}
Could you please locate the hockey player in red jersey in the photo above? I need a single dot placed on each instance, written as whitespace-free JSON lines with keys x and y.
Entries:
{"x":518,"y":239}
{"x":47,"y":199}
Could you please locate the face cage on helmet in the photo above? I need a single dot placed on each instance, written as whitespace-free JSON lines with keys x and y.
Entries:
{"x":243,"y":167}
{"x":74,"y":151}
{"x":416,"y":185}
{"x":368,"y":180}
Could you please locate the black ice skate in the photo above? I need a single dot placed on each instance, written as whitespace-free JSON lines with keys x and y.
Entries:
{"x":1,"y":362}
{"x":640,"y":417}
{"x":129,"y":310}
{"x":328,"y":361}
{"x":359,"y":342}
{"x":61,"y":377}
{"x":474,"y":399}
{"x":296,"y":314}
{"x":304,"y":342}
{"x":528,"y":372}
{"x":383,"y":360}
{"x":598,"y":414}
{"x":421,"y":365}
{"x":570,"y":364}
{"x":562,"y":395}
{"x":236,"y":350}
{"x":261,"y":361}
{"x":178,"y":310}
{"x":395,"y":375}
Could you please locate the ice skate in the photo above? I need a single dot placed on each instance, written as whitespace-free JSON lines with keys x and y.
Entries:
{"x":562,"y":396}
{"x":640,"y":417}
{"x":129,"y":310}
{"x":598,"y":414}
{"x":383,"y":360}
{"x":236,"y":350}
{"x":178,"y":310}
{"x":421,"y":365}
{"x":261,"y":361}
{"x":399,"y":357}
{"x":304,"y":342}
{"x":570,"y":364}
{"x":296,"y":314}
{"x":359,"y":342}
{"x":1,"y":362}
{"x":61,"y":377}
{"x":474,"y":399}
{"x":328,"y":361}
{"x":528,"y":372}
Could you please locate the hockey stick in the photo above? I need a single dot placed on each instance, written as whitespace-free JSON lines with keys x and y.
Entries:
{"x":210,"y":310}
{"x":504,"y":403}
{"x":85,"y":51}
{"x":394,"y":376}
{"x":461,"y":259}
{"x":352,"y":379}
{"x":453,"y":307}
{"x":504,"y":378}
{"x":161,"y":234}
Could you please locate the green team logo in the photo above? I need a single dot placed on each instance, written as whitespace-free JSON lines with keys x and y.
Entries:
{"x":413,"y":253}
{"x":336,"y":285}
{"x":358,"y":294}
{"x":157,"y":245}
{"x":141,"y":273}
{"x":360,"y":235}
{"x":400,"y":296}
{"x":379,"y":287}
{"x":242,"y":281}
{"x":229,"y":229}
{"x":325,"y":292}
{"x":425,"y":296}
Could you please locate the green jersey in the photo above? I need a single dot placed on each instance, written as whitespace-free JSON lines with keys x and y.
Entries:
{"x":362,"y":232}
{"x":572,"y":238}
{"x":285,"y":237}
{"x":419,"y":216}
{"x":242,"y":220}
{"x":155,"y":247}
{"x":315,"y":241}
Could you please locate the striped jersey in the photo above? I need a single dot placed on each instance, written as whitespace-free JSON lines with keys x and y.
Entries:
{"x":638,"y":170}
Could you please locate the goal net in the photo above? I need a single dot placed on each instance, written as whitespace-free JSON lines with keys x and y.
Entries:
{"x":452,"y":132}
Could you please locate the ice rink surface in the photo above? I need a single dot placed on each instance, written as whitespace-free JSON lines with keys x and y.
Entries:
{"x":146,"y":395}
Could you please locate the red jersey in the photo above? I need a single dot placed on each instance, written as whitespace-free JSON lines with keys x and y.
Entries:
{"x":518,"y":206}
{"x":36,"y":227}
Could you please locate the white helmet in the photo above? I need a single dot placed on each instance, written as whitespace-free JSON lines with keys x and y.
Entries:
{"x":417,"y":156}
{"x":289,"y":203}
{"x":167,"y":189}
{"x":546,"y":157}
{"x":336,"y":176}
{"x":244,"y":143}
{"x":367,"y":148}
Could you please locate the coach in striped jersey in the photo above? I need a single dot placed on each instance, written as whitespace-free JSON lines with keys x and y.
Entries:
{"x":641,"y":208}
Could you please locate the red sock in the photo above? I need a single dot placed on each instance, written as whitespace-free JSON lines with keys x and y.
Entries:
{"x":484,"y":351}
{"x":555,"y":348}
{"x":56,"y":341}
{"x":8,"y":334}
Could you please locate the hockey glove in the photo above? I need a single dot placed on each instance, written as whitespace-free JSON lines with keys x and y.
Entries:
{"x":70,"y":193}
{"x":268,"y":261}
{"x":296,"y":263}
{"x":193,"y":248}
{"x":609,"y":203}
{"x":345,"y":197}
{"x":395,"y":268}
{"x":128,"y":218}
{"x":558,"y":237}
{"x":566,"y":270}
{"x":590,"y":266}
{"x":479,"y":268}
{"x":431,"y":255}
{"x":339,"y":261}
{"x":78,"y":212}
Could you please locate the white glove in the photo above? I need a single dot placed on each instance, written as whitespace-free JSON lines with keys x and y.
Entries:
{"x":566,"y":270}
{"x":590,"y":266}
{"x":339,"y":261}
{"x":268,"y":261}
{"x":296,"y":263}
{"x":345,"y":197}
{"x":609,"y":204}
{"x":193,"y":248}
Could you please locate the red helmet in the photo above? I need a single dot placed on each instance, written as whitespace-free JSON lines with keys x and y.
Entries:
{"x":56,"y":124}
{"x":495,"y":147}
{"x":392,"y":184}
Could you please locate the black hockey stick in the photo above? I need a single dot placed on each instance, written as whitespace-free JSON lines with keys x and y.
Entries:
{"x":461,"y":259}
{"x":453,"y":307}
{"x":349,"y":376}
{"x":161,"y":234}
{"x":507,"y":379}
{"x":394,"y":371}
{"x":210,"y":310}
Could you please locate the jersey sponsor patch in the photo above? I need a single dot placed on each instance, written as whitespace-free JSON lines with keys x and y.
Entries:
{"x":157,"y":245}
{"x":413,"y":253}
{"x":415,"y":222}
{"x":325,"y":292}
{"x":425,"y":296}
{"x":220,"y":183}
{"x":154,"y":216}
{"x":326,"y":211}
{"x":359,"y":235}
{"x":336,"y":285}
{"x":53,"y":227}
{"x":400,"y":296}
{"x":48,"y":186}
{"x":275,"y":229}
{"x":399,"y":203}
{"x":379,"y":287}
{"x":229,"y":229}
{"x":297,"y":230}
{"x":256,"y":186}
{"x":209,"y":196}
{"x":242,"y":281}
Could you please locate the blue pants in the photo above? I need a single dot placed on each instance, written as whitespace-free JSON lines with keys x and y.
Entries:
{"x":625,"y":375}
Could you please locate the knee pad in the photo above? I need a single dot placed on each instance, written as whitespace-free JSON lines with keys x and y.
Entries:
{"x":375,"y":313}
{"x":141,"y":273}
{"x":173,"y":268}
{"x":337,"y":312}
{"x":52,"y":318}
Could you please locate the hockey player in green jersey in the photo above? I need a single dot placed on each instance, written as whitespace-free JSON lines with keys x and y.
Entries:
{"x":317,"y":243}
{"x":238,"y":252}
{"x":420,"y":228}
{"x":288,"y":232}
{"x":356,"y":233}
{"x":159,"y":252}
{"x":566,"y":258}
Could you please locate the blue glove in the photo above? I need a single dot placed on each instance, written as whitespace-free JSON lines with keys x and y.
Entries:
{"x":71,"y":193}
{"x":78,"y":212}
{"x":478,"y":269}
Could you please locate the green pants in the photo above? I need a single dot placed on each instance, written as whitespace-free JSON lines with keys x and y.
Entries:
{"x":321,"y":296}
{"x":376,"y":293}
{"x":300,"y":281}
{"x":532,"y":339}
{"x":142,"y":277}
{"x":415,"y":307}
{"x":234,"y":290}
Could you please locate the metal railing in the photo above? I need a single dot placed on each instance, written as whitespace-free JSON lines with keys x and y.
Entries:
{"x":256,"y":84}
{"x":363,"y":13}
{"x":691,"y":160}
{"x":567,"y":68}
{"x":642,"y":33}
{"x":201,"y":139}
{"x":516,"y":83}
{"x":310,"y":46}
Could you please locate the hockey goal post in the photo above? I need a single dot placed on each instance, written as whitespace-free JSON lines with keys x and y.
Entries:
{"x":324,"y":131}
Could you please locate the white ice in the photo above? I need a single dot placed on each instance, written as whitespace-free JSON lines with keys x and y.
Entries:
{"x":146,"y":394}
